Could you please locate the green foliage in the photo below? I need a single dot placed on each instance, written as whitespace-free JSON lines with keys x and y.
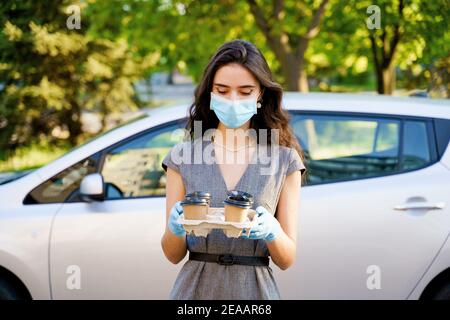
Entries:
{"x":185,"y":33}
{"x":31,"y":156}
{"x":423,"y":36}
{"x":50,"y":73}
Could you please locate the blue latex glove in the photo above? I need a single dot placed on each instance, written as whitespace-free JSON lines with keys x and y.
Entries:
{"x":268,"y":227}
{"x":176,"y":228}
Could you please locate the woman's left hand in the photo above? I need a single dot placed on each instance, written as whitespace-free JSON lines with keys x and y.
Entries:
{"x":268,"y":227}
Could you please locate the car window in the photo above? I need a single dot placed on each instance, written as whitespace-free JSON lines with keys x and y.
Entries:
{"x":340,"y":147}
{"x":133,"y":169}
{"x":144,"y":154}
{"x":64,"y":185}
{"x":416,"y":150}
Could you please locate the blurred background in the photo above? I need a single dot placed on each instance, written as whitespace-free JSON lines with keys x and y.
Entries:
{"x":70,"y":70}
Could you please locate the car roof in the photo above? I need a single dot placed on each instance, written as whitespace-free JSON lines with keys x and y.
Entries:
{"x":342,"y":102}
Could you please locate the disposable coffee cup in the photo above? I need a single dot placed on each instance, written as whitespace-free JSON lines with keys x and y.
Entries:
{"x":237,"y":205}
{"x":195,"y":208}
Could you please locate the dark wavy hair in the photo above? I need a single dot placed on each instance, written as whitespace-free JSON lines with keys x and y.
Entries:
{"x":269,"y":116}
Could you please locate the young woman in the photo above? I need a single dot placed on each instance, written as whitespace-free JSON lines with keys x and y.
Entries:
{"x":236,"y":94}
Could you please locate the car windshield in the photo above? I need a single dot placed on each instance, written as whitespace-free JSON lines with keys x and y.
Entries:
{"x":13,"y":176}
{"x":16,"y":175}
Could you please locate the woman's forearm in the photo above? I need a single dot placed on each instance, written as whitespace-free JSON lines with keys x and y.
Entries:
{"x":282,"y":251}
{"x":174,"y":247}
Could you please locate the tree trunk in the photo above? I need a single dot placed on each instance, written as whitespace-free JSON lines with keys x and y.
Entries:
{"x":104,"y":115}
{"x":290,"y":52}
{"x":383,"y":55}
{"x":302,"y":77}
{"x":389,"y":79}
{"x":73,"y":121}
{"x":295,"y":74}
{"x":380,"y":80}
{"x":385,"y":79}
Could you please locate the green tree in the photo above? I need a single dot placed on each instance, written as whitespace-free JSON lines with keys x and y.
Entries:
{"x":408,"y":30}
{"x":183,"y":34}
{"x":50,"y":74}
{"x":289,"y":27}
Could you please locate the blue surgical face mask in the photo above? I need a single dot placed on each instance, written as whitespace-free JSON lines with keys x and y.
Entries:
{"x":233,"y":113}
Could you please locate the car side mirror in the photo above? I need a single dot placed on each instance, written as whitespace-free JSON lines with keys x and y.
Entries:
{"x":92,"y":188}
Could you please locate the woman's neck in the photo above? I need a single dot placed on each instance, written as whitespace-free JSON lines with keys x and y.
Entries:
{"x":235,"y":138}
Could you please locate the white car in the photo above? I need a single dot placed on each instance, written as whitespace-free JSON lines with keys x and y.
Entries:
{"x":374,"y":219}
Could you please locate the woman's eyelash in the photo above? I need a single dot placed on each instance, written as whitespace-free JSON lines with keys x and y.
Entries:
{"x":244,"y":93}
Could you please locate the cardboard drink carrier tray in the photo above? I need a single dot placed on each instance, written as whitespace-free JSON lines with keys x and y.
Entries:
{"x":215,"y":219}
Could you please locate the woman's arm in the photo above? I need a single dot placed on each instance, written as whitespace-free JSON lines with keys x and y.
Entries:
{"x":283,"y":248}
{"x":174,"y":247}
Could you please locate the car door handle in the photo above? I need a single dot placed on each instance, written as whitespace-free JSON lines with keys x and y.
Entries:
{"x":420,"y":205}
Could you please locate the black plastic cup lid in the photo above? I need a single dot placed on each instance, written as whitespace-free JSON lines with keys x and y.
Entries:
{"x":237,"y":193}
{"x":198,"y":194}
{"x":194,"y":201}
{"x":239,"y":199}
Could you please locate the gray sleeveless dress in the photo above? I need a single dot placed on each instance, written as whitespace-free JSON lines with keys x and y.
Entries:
{"x":206,"y":280}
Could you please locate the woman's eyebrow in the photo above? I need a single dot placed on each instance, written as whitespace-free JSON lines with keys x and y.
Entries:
{"x":243,"y":87}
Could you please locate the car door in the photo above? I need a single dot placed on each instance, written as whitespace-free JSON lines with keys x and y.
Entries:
{"x":111,"y":249}
{"x":374,"y":209}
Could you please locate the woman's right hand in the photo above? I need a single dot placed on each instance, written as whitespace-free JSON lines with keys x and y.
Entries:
{"x":176,"y":228}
